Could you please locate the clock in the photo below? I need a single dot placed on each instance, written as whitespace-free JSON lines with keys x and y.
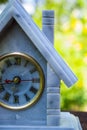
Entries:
{"x":21,"y":81}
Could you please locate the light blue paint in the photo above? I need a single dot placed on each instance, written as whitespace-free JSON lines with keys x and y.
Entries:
{"x":22,"y":35}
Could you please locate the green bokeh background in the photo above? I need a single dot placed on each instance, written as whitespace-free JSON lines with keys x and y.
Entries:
{"x":71,"y":44}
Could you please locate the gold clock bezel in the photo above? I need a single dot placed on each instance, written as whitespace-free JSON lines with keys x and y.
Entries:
{"x":42,"y":80}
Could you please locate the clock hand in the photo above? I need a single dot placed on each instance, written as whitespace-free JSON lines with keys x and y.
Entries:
{"x":6,"y":82}
{"x":34,"y":80}
{"x":17,"y":80}
{"x":27,"y":80}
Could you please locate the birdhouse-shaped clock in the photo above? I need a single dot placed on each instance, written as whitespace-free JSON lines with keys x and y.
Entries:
{"x":30,"y":74}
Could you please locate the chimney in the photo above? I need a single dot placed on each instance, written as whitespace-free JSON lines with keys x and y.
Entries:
{"x":48,"y":24}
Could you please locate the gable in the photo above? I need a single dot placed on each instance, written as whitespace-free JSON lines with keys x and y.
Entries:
{"x":14,"y":39}
{"x":15,"y":10}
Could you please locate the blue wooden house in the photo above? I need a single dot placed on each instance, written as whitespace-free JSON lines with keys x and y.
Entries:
{"x":19,"y":34}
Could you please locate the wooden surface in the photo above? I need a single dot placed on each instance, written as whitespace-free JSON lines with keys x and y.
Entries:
{"x":82,"y":117}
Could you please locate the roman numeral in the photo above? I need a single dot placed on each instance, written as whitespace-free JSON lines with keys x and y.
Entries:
{"x":16,"y":99}
{"x":1,"y":88}
{"x":37,"y":80}
{"x":27,"y":97}
{"x":33,"y":70}
{"x":8,"y":63}
{"x":26,"y":63}
{"x":33,"y":90}
{"x":0,"y":79}
{"x":6,"y":96}
{"x":2,"y":70}
{"x":17,"y":61}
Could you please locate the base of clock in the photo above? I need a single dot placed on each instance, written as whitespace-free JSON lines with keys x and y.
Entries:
{"x":67,"y":122}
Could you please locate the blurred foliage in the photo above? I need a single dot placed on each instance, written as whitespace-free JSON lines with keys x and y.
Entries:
{"x":3,"y":1}
{"x":71,"y":44}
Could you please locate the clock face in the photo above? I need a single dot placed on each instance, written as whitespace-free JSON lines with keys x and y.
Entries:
{"x":21,"y":81}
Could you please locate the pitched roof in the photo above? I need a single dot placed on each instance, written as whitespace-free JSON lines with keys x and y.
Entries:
{"x":15,"y":10}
